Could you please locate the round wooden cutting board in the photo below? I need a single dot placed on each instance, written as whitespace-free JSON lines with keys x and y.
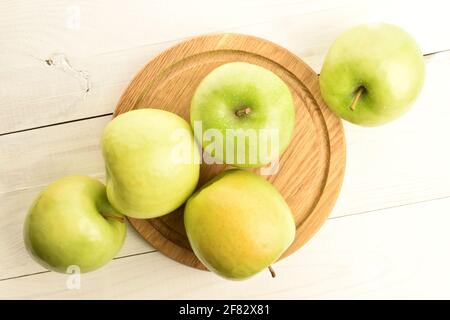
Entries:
{"x":311,"y":170}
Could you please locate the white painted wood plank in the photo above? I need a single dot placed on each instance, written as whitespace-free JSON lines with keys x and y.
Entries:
{"x":86,"y":28}
{"x":114,"y":40}
{"x":37,"y":157}
{"x":394,"y":253}
{"x":393,"y":165}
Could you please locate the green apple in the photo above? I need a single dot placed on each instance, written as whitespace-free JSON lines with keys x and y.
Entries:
{"x":152,"y":162}
{"x":238,"y":224}
{"x":71,"y":223}
{"x":246,"y":113}
{"x":372,"y":74}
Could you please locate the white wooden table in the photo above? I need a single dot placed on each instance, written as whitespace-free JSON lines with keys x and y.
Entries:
{"x":63,"y":66}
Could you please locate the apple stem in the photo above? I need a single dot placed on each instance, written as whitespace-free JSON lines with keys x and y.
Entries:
{"x":110,"y":216}
{"x":359,"y":92}
{"x":243,"y":112}
{"x":272,"y":272}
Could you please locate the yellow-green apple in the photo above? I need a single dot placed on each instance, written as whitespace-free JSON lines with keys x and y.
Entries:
{"x":246,"y":113}
{"x":71,"y":223}
{"x":372,"y":74}
{"x":238,"y":224}
{"x":152,"y":162}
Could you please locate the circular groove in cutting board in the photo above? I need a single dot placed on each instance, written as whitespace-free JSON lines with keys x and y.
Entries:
{"x":311,"y":170}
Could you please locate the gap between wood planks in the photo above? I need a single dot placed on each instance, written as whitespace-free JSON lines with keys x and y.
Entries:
{"x":57,"y":124}
{"x":48,"y":271}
